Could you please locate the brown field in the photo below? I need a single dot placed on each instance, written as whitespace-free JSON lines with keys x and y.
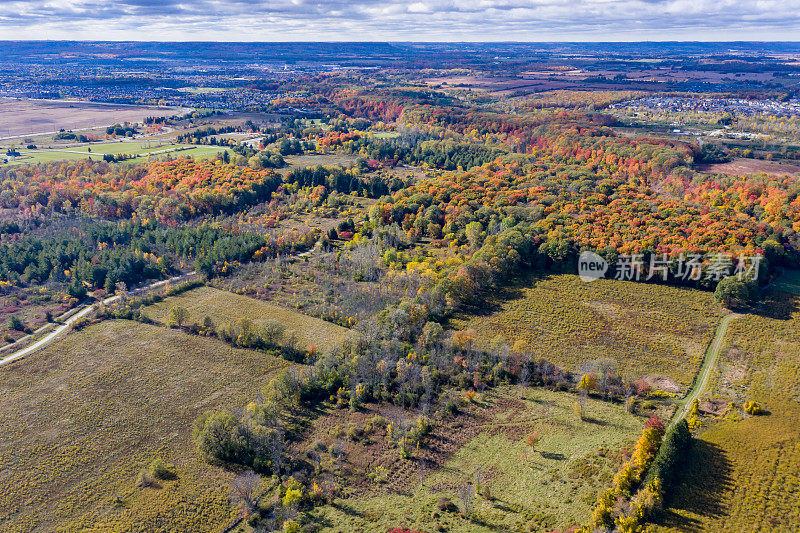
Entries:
{"x":226,"y":307}
{"x":26,"y":117}
{"x":743,"y":166}
{"x":81,"y":418}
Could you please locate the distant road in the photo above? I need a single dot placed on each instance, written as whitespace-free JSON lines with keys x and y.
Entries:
{"x":62,"y":328}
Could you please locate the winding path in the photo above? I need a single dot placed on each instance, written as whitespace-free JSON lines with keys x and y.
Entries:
{"x":704,"y":374}
{"x":65,"y":326}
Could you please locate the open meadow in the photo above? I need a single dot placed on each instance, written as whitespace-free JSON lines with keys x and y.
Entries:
{"x":83,"y":417}
{"x":744,"y":470}
{"x":485,"y":445}
{"x":226,"y":307}
{"x":646,"y":329}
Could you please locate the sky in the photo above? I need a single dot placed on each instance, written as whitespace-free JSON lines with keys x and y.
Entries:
{"x":401,"y":20}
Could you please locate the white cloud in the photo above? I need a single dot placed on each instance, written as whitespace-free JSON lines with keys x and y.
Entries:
{"x":400,"y":20}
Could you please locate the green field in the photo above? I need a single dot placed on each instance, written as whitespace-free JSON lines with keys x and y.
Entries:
{"x":645,"y":328}
{"x":225,"y":307}
{"x":788,"y":282}
{"x":83,"y":417}
{"x":554,"y":486}
{"x":386,"y":135}
{"x":142,"y":149}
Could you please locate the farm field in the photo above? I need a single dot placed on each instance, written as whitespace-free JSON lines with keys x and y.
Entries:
{"x":552,"y":487}
{"x":646,"y":329}
{"x":745,"y":474}
{"x":25,"y":117}
{"x":224,"y":307}
{"x":743,"y":166}
{"x":142,"y":149}
{"x":83,"y":417}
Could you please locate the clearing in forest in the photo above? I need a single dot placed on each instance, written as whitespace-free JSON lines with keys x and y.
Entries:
{"x":646,"y":329}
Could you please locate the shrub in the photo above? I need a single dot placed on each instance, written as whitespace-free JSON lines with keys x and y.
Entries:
{"x":579,"y":410}
{"x":15,"y":323}
{"x":753,"y":408}
{"x":271,"y":331}
{"x":450,"y":407}
{"x":379,"y":475}
{"x":446,"y":505}
{"x":160,"y":470}
{"x":376,"y":422}
{"x":177,"y":316}
{"x":354,"y":432}
{"x":693,"y":418}
{"x":213,"y":432}
{"x":533,"y":440}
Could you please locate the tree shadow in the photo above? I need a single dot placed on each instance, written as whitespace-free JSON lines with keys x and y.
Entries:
{"x":553,"y":456}
{"x":504,"y":505}
{"x":595,"y":421}
{"x":480,"y":521}
{"x":700,"y":488}
{"x":778,"y":305}
{"x":346,"y":509}
{"x":493,"y":301}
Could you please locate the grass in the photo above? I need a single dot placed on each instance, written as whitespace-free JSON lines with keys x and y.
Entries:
{"x":745,"y":472}
{"x":225,"y":307}
{"x":386,"y":135}
{"x":552,"y":487}
{"x":137,"y":148}
{"x":645,"y":328}
{"x":788,"y":282}
{"x":310,"y":160}
{"x":744,"y":476}
{"x":81,"y":418}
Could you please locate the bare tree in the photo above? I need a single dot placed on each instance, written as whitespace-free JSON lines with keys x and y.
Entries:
{"x":243,"y":490}
{"x":466,"y":493}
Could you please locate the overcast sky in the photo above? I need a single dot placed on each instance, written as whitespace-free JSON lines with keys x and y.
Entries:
{"x":404,"y":20}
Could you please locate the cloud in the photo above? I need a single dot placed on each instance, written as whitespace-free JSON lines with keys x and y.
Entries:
{"x":382,"y":20}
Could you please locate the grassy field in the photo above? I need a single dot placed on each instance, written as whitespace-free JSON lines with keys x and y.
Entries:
{"x":225,"y":307}
{"x":142,"y":149}
{"x":310,"y":160}
{"x":83,"y":417}
{"x":746,"y":473}
{"x":788,"y":282}
{"x":646,"y":328}
{"x":552,"y":487}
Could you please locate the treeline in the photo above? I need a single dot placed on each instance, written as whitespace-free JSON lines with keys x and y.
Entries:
{"x":169,"y":191}
{"x":121,"y":130}
{"x":96,"y":254}
{"x":201,"y":133}
{"x":418,"y":149}
{"x":344,"y":181}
